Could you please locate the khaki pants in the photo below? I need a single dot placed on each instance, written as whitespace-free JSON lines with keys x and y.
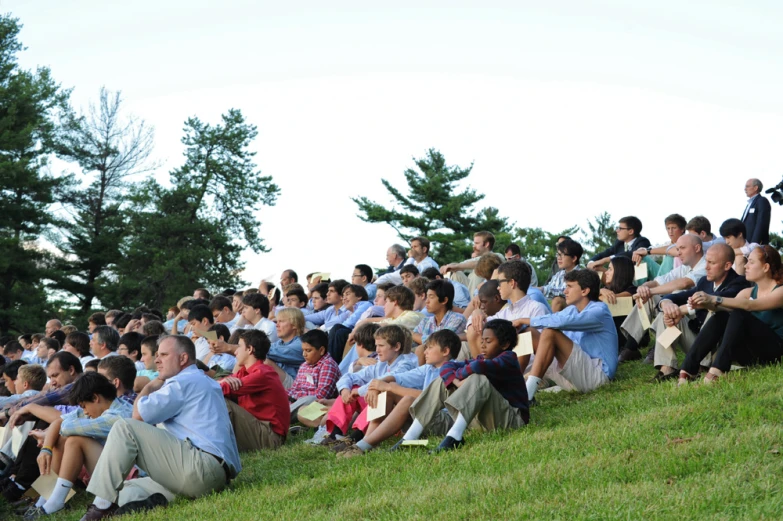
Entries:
{"x":251,"y":433}
{"x":476,"y":399}
{"x":666,"y":355}
{"x":175,"y":467}
{"x":632,"y":325}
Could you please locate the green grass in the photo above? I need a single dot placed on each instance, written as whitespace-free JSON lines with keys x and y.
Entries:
{"x":617,"y":453}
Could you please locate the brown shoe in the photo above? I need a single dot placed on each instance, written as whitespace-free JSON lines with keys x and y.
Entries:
{"x":662,"y":377}
{"x":344,"y":444}
{"x":351,"y":452}
{"x":626,"y":355}
{"x":94,"y":513}
{"x":685,"y":378}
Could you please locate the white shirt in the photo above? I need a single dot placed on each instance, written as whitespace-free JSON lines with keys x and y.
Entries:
{"x":190,"y":405}
{"x":202,"y":348}
{"x":695,"y":273}
{"x":85,"y":360}
{"x":525,"y":307}
{"x":268,"y":327}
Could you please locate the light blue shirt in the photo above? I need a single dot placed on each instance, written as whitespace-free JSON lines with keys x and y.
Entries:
{"x":28,"y":355}
{"x":348,"y":360}
{"x":363,"y":378}
{"x":288,"y":355}
{"x":593,"y":329}
{"x":226,"y":361}
{"x":328,"y":317}
{"x":358,"y":310}
{"x":371,"y":290}
{"x":190,"y":405}
{"x":461,"y":294}
{"x":180,"y":326}
{"x":535,"y":294}
{"x":418,"y":378}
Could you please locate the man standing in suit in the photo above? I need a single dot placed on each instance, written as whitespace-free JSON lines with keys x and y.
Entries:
{"x":628,"y":241}
{"x":756,"y":214}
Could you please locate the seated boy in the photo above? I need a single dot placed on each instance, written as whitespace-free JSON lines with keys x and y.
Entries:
{"x":403,"y":388}
{"x":394,"y":357}
{"x":22,"y":380}
{"x":13,"y":350}
{"x":439,"y":303}
{"x":76,"y":439}
{"x":581,"y":339}
{"x":257,"y":402}
{"x":490,"y":389}
{"x":317,"y":376}
{"x":149,"y":348}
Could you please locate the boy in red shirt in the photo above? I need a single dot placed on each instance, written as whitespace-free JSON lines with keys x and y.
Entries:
{"x":257,"y":402}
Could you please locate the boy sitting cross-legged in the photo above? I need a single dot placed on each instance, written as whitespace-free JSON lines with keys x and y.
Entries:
{"x":394,"y":357}
{"x":490,"y":389}
{"x":403,"y":388}
{"x":317,"y":376}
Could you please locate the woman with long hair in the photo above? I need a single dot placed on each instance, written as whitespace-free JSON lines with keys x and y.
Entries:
{"x":618,"y":282}
{"x":747,"y":329}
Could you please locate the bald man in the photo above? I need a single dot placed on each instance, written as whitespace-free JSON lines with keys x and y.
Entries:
{"x":756,"y":214}
{"x":721,"y":280}
{"x":52,"y":326}
{"x":648,"y":295}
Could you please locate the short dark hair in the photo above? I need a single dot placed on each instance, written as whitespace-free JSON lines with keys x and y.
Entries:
{"x":321,"y":288}
{"x":733,"y":228}
{"x":431,"y":273}
{"x":298,"y":293}
{"x":58,"y":335}
{"x":107,"y":335}
{"x":393,"y":334}
{"x":99,"y":319}
{"x":120,"y":322}
{"x":364,"y":271}
{"x":11,"y":370}
{"x":677,"y":220}
{"x":403,"y":296}
{"x":89,"y":385}
{"x":202,"y":293}
{"x":151,"y":342}
{"x":120,"y":367}
{"x":518,"y":271}
{"x":222,"y":331}
{"x":489,"y":289}
{"x":444,"y":290}
{"x":292,"y":275}
{"x":199,"y":313}
{"x":423,"y":242}
{"x":12,"y":347}
{"x":220,"y":302}
{"x":587,"y":279}
{"x":316,"y":338}
{"x":357,"y":290}
{"x":132,"y":341}
{"x":418,"y":286}
{"x":66,"y":361}
{"x":633,"y":223}
{"x":514,"y":249}
{"x":153,"y":327}
{"x":51,"y":343}
{"x":256,"y":301}
{"x":448,"y":339}
{"x":505,"y":331}
{"x":258,"y":342}
{"x":26,"y":337}
{"x":80,"y":341}
{"x":93,"y":364}
{"x":365,"y":335}
{"x":338,"y":285}
{"x":699,"y":224}
{"x":409,"y":268}
{"x":486,"y":237}
{"x":571,"y":248}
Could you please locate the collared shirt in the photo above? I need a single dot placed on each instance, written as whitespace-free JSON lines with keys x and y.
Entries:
{"x":695,"y":273}
{"x":59,"y":396}
{"x":190,"y":405}
{"x":86,"y":360}
{"x":371,"y":290}
{"x":287,"y":355}
{"x":461,"y":294}
{"x":10,"y":400}
{"x":76,"y":423}
{"x":503,"y":372}
{"x":592,"y":328}
{"x":451,"y":320}
{"x":262,"y":395}
{"x":363,"y":378}
{"x":268,"y":327}
{"x":356,"y":314}
{"x":418,"y":377}
{"x":319,"y":380}
{"x":407,"y":319}
{"x":28,"y":355}
{"x":705,"y":245}
{"x":327,"y":318}
{"x":556,"y":286}
{"x":202,"y":348}
{"x":225,"y":361}
{"x":525,"y":307}
{"x":750,"y":201}
{"x":233,"y":322}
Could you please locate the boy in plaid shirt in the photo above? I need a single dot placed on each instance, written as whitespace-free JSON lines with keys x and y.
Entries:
{"x":317,"y":377}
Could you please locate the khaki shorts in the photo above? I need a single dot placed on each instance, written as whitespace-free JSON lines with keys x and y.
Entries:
{"x":580,"y":372}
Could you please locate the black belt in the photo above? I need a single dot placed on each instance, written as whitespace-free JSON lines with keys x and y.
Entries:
{"x":223,"y":464}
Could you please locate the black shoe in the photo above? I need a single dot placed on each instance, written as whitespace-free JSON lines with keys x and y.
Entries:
{"x":154,"y":501}
{"x":650,"y":360}
{"x":661,"y":377}
{"x":448,"y":443}
{"x":629,"y":354}
{"x":13,"y":493}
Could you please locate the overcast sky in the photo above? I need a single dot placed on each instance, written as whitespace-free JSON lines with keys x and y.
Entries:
{"x":566,"y":109}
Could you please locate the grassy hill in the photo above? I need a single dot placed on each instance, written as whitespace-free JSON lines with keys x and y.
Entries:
{"x":632,"y":450}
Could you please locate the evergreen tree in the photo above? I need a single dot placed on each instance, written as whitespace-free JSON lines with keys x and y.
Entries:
{"x":602,"y":234}
{"x":434,"y":208}
{"x":538,"y":248}
{"x":29,"y":106}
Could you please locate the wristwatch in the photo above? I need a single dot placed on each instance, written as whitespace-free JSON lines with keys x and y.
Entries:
{"x":718,"y":301}
{"x":649,"y":249}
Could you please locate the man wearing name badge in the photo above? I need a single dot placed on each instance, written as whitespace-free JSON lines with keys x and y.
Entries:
{"x":194,"y":454}
{"x":756,"y":214}
{"x":721,"y":280}
{"x":648,"y":294}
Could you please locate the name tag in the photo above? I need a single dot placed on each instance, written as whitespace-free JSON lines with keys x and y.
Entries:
{"x":752,"y":210}
{"x":309,"y":379}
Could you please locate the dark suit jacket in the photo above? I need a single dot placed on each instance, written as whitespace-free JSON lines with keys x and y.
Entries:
{"x":732,"y":285}
{"x":757,"y":221}
{"x":618,"y":248}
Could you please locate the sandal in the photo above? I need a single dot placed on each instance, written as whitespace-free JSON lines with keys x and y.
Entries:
{"x":685,"y":378}
{"x":711,"y":378}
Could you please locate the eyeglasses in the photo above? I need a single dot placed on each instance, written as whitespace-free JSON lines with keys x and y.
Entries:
{"x":501,"y":281}
{"x":618,"y":228}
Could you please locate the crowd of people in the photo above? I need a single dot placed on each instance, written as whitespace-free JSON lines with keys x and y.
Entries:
{"x":143,"y":407}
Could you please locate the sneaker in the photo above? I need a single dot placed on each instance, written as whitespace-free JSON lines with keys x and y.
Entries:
{"x":650,"y":359}
{"x":342,"y":445}
{"x":448,"y":443}
{"x":351,"y":452}
{"x":94,"y":513}
{"x":320,"y":435}
{"x":627,"y":355}
{"x":154,"y":501}
{"x":34,"y":512}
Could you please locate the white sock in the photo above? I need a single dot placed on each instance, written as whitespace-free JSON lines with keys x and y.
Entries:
{"x":57,"y":498}
{"x":101,"y":503}
{"x":456,"y":431}
{"x":532,"y":386}
{"x":40,"y":502}
{"x":366,"y":447}
{"x":414,"y":432}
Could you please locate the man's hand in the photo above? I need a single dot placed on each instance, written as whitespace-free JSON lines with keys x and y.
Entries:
{"x":638,"y":255}
{"x":477,"y":320}
{"x":457,"y":383}
{"x":447,"y":268}
{"x":701,"y":300}
{"x":608,"y":296}
{"x":379,"y":385}
{"x":154,"y":385}
{"x":233,"y":382}
{"x":219,"y":346}
{"x":346,"y":395}
{"x":39,"y":435}
{"x":643,"y":294}
{"x":671,"y":313}
{"x":365,"y":361}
